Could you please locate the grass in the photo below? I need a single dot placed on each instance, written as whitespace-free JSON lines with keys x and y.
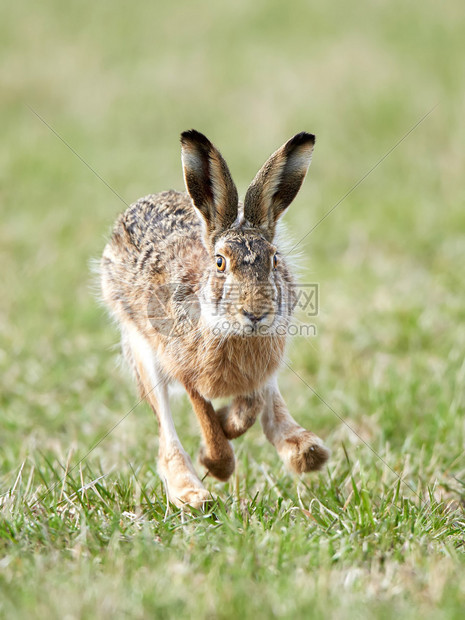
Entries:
{"x":85,"y":531}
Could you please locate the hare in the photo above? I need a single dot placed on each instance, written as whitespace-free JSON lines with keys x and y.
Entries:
{"x":203,"y":296}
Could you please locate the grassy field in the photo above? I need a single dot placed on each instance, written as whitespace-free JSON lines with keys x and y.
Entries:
{"x":85,"y":531}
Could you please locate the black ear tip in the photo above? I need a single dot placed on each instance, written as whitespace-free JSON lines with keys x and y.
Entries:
{"x":302,"y":138}
{"x":192,"y":135}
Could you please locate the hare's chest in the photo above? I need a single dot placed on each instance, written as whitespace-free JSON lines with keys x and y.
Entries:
{"x":238,"y":367}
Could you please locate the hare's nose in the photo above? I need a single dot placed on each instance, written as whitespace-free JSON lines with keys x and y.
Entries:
{"x":253,"y":317}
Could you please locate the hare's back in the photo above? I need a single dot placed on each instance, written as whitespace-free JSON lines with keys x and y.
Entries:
{"x":153,"y":230}
{"x":153,"y":219}
{"x":152,"y":242}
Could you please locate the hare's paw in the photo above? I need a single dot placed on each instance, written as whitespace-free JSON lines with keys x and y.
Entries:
{"x":303,"y":452}
{"x":185,"y":489}
{"x":238,"y":417}
{"x":235,"y":425}
{"x":220,"y":466}
{"x":195,"y":497}
{"x":183,"y":486}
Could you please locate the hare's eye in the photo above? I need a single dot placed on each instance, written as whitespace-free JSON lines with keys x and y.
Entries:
{"x":275,"y":261}
{"x":220,"y":263}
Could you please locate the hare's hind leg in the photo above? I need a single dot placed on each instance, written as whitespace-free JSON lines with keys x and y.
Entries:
{"x":241,"y":414}
{"x":174,"y":465}
{"x":301,"y":450}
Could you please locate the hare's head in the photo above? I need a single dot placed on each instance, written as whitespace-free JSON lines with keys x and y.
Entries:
{"x":248,"y":288}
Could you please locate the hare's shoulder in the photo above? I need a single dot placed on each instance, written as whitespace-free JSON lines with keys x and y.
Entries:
{"x":156,"y":217}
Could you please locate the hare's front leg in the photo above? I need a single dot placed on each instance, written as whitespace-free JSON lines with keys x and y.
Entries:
{"x":174,"y":465}
{"x":301,"y":450}
{"x":217,"y":454}
{"x":241,"y":414}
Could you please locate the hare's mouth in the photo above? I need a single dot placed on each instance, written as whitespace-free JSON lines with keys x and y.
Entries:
{"x":254,"y":319}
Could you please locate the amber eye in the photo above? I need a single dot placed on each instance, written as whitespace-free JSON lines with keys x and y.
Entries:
{"x":275,"y":261}
{"x":220,"y":263}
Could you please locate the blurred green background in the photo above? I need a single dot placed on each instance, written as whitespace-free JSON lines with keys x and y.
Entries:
{"x":118,"y":82}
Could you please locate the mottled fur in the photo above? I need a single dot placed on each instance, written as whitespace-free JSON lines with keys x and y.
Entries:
{"x":220,"y":333}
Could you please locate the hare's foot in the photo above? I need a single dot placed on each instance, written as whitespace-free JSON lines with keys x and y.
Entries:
{"x":303,"y":451}
{"x":220,"y":465}
{"x":195,"y":497}
{"x":182,"y":483}
{"x":233,"y":425}
{"x":240,"y":415}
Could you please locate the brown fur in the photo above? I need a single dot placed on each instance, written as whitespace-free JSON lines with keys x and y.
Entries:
{"x":161,"y":282}
{"x":241,"y":414}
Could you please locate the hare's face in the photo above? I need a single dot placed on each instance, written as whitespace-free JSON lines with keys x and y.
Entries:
{"x":248,"y":285}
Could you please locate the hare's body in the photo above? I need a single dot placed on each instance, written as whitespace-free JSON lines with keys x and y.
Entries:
{"x":157,"y":243}
{"x":206,"y":301}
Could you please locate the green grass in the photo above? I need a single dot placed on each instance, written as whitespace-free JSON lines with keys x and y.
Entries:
{"x":86,"y":532}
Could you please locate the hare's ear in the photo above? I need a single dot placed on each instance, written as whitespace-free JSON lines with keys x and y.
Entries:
{"x":277,"y":183}
{"x":208,"y":182}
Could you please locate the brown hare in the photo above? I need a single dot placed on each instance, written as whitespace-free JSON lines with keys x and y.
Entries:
{"x":203,"y":296}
